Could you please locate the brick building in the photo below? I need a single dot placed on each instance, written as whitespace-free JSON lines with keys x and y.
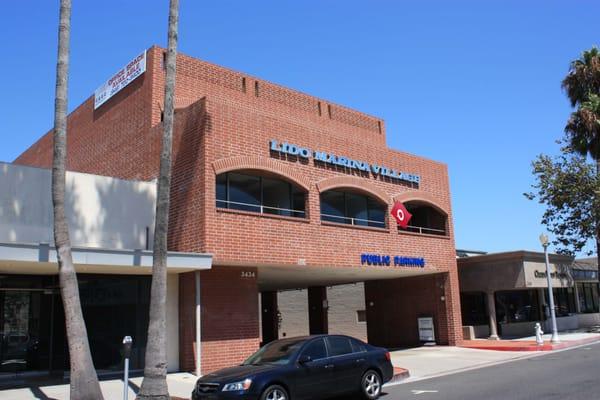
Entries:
{"x":286,"y":191}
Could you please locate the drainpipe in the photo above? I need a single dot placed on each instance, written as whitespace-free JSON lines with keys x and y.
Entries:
{"x":198,"y":327}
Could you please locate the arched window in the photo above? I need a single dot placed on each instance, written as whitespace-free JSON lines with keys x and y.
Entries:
{"x":260,"y":193}
{"x":426,"y":219}
{"x":353,"y":208}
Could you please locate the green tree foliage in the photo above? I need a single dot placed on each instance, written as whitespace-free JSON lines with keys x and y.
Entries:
{"x":566,"y":185}
{"x":583,"y":128}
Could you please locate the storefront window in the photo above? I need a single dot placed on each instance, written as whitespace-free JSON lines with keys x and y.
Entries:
{"x":473,"y":308}
{"x":517,"y":306}
{"x":352,"y":208}
{"x":588,"y":297}
{"x":241,"y":191}
{"x":114,"y":307}
{"x":564,"y":301}
{"x":32,"y":329}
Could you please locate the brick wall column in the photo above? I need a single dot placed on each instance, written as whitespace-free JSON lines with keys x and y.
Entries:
{"x":452,"y":315}
{"x":270,"y":320}
{"x":317,"y":310}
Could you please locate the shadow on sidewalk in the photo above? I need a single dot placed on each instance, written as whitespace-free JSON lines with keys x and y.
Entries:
{"x":134,"y":387}
{"x":36,"y":391}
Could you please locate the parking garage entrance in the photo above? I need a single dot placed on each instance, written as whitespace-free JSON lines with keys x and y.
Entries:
{"x":383,"y":309}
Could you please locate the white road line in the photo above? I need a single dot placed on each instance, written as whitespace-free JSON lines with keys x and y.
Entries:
{"x":423,"y":391}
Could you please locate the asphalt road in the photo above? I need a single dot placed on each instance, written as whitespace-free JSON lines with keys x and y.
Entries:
{"x":570,"y":374}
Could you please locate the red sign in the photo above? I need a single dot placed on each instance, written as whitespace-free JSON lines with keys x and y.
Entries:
{"x":401,"y":214}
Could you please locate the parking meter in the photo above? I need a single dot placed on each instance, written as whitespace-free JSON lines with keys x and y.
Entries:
{"x":127,"y":343}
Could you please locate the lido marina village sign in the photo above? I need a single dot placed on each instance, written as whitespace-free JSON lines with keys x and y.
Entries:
{"x":329,"y":158}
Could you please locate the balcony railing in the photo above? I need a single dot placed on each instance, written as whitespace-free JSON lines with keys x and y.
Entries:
{"x":352,"y":221}
{"x":424,"y":230}
{"x":260,"y":209}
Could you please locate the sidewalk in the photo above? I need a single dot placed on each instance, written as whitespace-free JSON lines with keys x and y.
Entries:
{"x":180,"y":385}
{"x":428,"y":362}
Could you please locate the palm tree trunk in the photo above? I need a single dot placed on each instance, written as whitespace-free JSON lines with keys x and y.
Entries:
{"x":84,"y":381}
{"x":597,"y":211}
{"x":154,"y":385}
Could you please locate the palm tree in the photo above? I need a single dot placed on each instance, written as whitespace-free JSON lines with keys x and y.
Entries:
{"x":583,"y":77}
{"x":582,"y":85}
{"x":154,"y":384}
{"x":583,"y":129}
{"x":84,"y":381}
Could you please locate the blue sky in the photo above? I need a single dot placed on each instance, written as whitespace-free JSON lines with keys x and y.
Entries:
{"x":475,"y":84}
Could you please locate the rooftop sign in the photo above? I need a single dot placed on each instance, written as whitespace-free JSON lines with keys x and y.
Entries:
{"x":124,"y":77}
{"x":330,"y":158}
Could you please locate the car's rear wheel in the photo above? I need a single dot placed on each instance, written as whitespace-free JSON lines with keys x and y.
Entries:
{"x":371,"y":385}
{"x":275,"y":392}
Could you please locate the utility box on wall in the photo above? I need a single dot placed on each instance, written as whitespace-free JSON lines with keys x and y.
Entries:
{"x":426,"y":330}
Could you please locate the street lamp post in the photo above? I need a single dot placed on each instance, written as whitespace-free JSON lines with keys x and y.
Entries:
{"x":544,"y":242}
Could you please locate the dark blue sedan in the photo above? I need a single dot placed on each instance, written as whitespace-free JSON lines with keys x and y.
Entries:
{"x":309,"y":367}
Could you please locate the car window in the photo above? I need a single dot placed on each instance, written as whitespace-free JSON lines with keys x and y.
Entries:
{"x":339,"y":345}
{"x":278,"y":352}
{"x":358,"y":347}
{"x":315,"y":350}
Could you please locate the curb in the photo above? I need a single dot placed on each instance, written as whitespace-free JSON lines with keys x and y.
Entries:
{"x":534,"y":347}
{"x":400,"y":374}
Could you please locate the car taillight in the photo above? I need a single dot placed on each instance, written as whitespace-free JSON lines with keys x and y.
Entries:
{"x":388,"y":356}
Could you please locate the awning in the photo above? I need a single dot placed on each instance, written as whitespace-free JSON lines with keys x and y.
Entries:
{"x":41,"y":258}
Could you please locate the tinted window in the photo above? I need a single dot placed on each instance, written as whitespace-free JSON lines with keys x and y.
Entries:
{"x":352,"y":208}
{"x":376,"y":214}
{"x":222,"y":190}
{"x":426,"y":220}
{"x":244,"y":192}
{"x":358,"y":347}
{"x":276,"y":196}
{"x":339,"y":345}
{"x":240,"y":191}
{"x":333,"y":207}
{"x":357,"y":208}
{"x":316,"y":350}
{"x":278,"y":352}
{"x":298,"y":202}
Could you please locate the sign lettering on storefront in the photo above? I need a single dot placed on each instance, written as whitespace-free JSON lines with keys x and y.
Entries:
{"x":329,"y":158}
{"x":534,"y":275}
{"x":553,"y":275}
{"x":386,"y":260}
{"x":119,"y":80}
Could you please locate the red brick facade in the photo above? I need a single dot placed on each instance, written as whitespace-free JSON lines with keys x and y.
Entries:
{"x":224,"y":121}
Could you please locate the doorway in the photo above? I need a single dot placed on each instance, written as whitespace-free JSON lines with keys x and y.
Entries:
{"x":31,"y":343}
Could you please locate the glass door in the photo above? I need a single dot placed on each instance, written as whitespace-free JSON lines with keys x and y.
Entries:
{"x":25,"y":331}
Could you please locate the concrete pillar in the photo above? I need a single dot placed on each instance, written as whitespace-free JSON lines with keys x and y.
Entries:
{"x":317,"y":310}
{"x":491,"y":305}
{"x":576,"y":294}
{"x":269,"y":318}
{"x":545,"y":319}
{"x":542,"y":298}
